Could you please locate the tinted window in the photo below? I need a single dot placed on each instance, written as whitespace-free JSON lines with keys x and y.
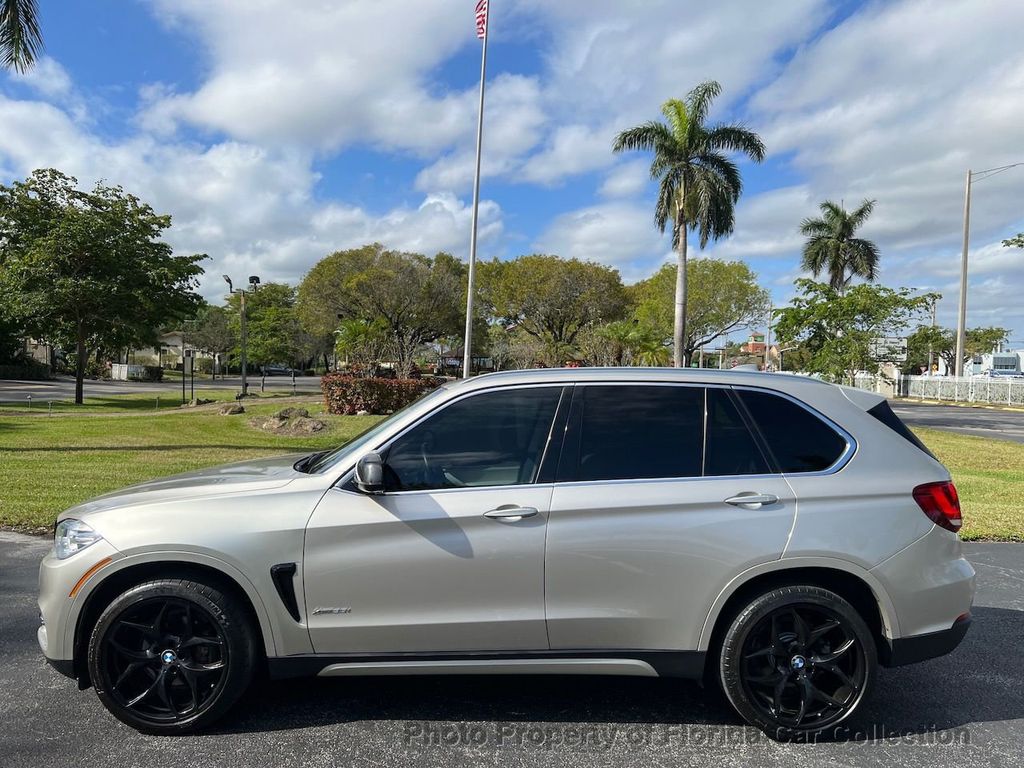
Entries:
{"x":730,"y":448}
{"x":495,"y":438}
{"x":798,"y":440}
{"x":631,"y":432}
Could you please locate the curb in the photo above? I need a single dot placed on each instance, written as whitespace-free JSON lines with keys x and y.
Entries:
{"x":984,"y":406}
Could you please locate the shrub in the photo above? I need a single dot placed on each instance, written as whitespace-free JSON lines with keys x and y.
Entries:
{"x":26,"y":370}
{"x":349,"y":395}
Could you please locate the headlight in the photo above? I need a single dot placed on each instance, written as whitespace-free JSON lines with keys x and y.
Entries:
{"x":72,"y":536}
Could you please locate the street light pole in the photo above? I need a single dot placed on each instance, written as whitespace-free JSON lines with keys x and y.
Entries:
{"x":254,"y":281}
{"x":961,"y":324}
{"x":961,"y":320}
{"x":245,"y":341}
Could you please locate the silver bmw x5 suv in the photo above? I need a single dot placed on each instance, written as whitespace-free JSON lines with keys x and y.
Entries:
{"x":774,"y":535}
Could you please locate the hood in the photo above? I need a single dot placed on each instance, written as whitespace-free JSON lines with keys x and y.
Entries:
{"x":240,"y":477}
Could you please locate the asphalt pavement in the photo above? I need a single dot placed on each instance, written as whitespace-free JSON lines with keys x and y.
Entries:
{"x":980,"y":422}
{"x":966,"y":709}
{"x":63,"y":388}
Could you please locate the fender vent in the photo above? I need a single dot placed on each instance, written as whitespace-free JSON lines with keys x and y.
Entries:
{"x":283,"y":575}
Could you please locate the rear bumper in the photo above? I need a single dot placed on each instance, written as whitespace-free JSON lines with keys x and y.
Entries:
{"x":910,"y":650}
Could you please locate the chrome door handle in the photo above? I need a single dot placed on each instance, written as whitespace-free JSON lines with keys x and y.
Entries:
{"x":753,"y":500}
{"x":510,"y":513}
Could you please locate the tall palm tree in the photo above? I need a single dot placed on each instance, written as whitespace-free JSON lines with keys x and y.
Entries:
{"x":699,"y":184}
{"x":20,"y":36}
{"x":831,"y":246}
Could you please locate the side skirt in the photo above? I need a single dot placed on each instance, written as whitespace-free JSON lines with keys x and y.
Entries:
{"x":642,"y":663}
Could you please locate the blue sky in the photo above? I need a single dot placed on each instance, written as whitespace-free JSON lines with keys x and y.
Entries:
{"x":275,"y":132}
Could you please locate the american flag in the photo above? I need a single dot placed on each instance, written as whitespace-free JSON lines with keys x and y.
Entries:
{"x":481,"y":19}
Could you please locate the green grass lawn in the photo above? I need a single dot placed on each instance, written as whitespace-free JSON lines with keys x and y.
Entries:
{"x":50,"y":463}
{"x":989,"y":476}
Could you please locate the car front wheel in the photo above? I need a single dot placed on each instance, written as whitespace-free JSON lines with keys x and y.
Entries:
{"x":796,"y":661}
{"x":171,"y":656}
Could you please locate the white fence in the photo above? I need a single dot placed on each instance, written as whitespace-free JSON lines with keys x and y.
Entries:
{"x":965,"y":389}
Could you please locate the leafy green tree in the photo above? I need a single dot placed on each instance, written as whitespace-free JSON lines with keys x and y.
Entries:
{"x":832,"y":247}
{"x":835,"y":329}
{"x":699,"y":184}
{"x":89,"y":270}
{"x":1017,"y":241}
{"x":417,"y":298}
{"x":551,"y":299}
{"x":210,"y":330}
{"x":271,"y":323}
{"x":362,"y":342}
{"x":977,"y":341}
{"x":21,"y":39}
{"x":723,"y":298}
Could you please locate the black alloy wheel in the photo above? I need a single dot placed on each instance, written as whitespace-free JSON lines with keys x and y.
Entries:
{"x":798,"y":661}
{"x":171,"y":656}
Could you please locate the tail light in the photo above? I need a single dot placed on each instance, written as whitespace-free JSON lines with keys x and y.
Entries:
{"x":940,"y":502}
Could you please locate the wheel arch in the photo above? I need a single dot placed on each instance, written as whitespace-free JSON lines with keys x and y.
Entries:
{"x":132,"y":571}
{"x":856,"y":585}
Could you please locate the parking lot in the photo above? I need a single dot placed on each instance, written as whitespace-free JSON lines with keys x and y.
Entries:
{"x":966,"y":709}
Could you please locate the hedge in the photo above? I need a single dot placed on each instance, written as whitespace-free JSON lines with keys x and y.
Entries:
{"x":29,"y":370}
{"x":349,"y":395}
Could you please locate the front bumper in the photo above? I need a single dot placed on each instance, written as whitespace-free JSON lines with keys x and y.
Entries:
{"x":910,"y":650}
{"x":58,"y":610}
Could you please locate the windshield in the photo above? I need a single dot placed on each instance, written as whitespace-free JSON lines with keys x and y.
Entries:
{"x":354,"y":446}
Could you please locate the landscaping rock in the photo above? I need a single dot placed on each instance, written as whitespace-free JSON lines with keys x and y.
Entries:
{"x":306,"y":425}
{"x":290,"y":413}
{"x":197,"y":402}
{"x":231,"y":409}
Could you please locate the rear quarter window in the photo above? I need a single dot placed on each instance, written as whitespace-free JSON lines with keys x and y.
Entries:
{"x":797,"y":439}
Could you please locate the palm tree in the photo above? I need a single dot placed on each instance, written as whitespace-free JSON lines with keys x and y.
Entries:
{"x":20,"y":36}
{"x":699,"y":184}
{"x":831,"y":246}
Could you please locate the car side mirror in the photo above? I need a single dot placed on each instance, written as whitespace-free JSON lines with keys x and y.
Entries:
{"x":370,"y":473}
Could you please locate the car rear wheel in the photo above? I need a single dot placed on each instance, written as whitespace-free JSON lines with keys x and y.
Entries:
{"x":171,"y":656}
{"x":797,"y":661}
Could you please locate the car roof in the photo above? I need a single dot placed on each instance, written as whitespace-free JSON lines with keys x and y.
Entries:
{"x":779,"y":381}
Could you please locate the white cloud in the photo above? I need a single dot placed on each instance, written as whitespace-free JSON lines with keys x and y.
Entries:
{"x":626,"y":179}
{"x":619,"y":234}
{"x":48,"y":77}
{"x":324,"y":74}
{"x":251,"y":209}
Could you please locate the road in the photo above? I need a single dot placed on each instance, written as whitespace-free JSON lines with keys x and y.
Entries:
{"x":981,"y":422}
{"x":63,"y":388}
{"x":966,"y":709}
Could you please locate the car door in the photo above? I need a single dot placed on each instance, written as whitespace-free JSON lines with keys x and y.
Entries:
{"x":450,"y":557}
{"x":664,"y":496}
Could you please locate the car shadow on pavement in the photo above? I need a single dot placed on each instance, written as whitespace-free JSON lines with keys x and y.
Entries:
{"x":981,"y":681}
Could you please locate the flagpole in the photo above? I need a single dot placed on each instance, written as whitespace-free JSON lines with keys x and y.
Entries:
{"x":467,"y":353}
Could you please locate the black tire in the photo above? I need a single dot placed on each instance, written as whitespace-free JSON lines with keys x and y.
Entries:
{"x":172,"y":656}
{"x":797,"y":661}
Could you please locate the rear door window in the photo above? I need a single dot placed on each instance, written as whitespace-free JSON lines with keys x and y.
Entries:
{"x":632,"y":432}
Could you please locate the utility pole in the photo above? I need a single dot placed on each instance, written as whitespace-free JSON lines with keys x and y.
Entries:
{"x":961,"y":320}
{"x":767,"y":339}
{"x":961,"y":324}
{"x":931,"y":351}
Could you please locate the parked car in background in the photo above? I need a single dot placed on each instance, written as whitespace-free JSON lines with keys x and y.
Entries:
{"x":278,"y":369}
{"x":566,"y":521}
